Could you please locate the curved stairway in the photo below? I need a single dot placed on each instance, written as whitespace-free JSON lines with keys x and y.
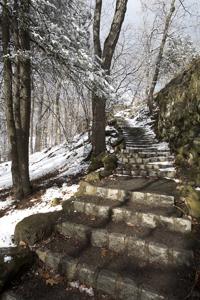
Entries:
{"x":131,"y":245}
{"x":144,"y":155}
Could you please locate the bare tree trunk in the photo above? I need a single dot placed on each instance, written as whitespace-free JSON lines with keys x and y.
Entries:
{"x":17,"y":186}
{"x":38,"y":139}
{"x":58,"y":134}
{"x":23,"y":149}
{"x":98,"y":104}
{"x":159,"y":59}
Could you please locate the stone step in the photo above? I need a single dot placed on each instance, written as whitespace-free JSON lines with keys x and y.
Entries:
{"x":145,"y":149}
{"x":145,"y":160}
{"x":139,"y":218}
{"x":103,"y":280}
{"x":127,"y":245}
{"x":145,"y":154}
{"x":144,"y":166}
{"x":161,"y":173}
{"x":135,"y":197}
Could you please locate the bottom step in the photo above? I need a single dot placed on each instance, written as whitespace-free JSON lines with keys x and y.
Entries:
{"x":104,"y":280}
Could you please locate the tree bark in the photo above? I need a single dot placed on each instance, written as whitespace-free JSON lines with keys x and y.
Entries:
{"x":25,"y":108}
{"x":99,"y":104}
{"x":160,"y":55}
{"x":17,"y":186}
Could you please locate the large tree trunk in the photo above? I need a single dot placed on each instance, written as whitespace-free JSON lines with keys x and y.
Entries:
{"x":98,"y":104}
{"x":160,"y":55}
{"x":25,"y":105}
{"x":17,"y":187}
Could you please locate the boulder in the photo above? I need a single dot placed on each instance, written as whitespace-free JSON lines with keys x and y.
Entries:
{"x":193,"y":206}
{"x":192,"y":198}
{"x":105,"y":173}
{"x":56,"y":201}
{"x":68,"y":205}
{"x":93,"y":176}
{"x":35,"y":228}
{"x":12,"y":260}
{"x":118,"y":142}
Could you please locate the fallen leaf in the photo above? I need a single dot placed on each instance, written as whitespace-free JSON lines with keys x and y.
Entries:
{"x":51,"y":281}
{"x":45,"y":276}
{"x":103,"y":252}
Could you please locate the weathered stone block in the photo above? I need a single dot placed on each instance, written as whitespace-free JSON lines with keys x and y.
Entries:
{"x":166,"y":200}
{"x":53,"y":260}
{"x":82,"y":233}
{"x":90,"y":190}
{"x":167,"y":222}
{"x":152,"y":199}
{"x":90,"y":208}
{"x":79,"y":206}
{"x":99,"y":238}
{"x":68,"y":267}
{"x":131,"y":217}
{"x":183,"y":225}
{"x":118,"y":214}
{"x":66,"y":228}
{"x":137,"y":197}
{"x":158,"y":253}
{"x":101,"y":192}
{"x":136,"y":247}
{"x":106,"y":282}
{"x":117,"y":242}
{"x":103,"y":211}
{"x":148,"y":220}
{"x":87,"y":274}
{"x":113,"y":194}
{"x":128,"y":290}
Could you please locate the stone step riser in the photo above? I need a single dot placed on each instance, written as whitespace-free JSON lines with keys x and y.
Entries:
{"x":138,"y":160}
{"x":103,"y":280}
{"x":168,"y":174}
{"x":135,"y":197}
{"x":145,"y":150}
{"x":145,"y":166}
{"x":148,"y":155}
{"x":127,"y":245}
{"x":136,"y":218}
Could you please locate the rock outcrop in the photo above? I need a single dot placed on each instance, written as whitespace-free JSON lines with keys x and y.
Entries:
{"x":178,"y":122}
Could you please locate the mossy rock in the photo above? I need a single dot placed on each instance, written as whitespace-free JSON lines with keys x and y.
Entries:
{"x":188,"y":191}
{"x":56,"y":201}
{"x":93,"y":176}
{"x":105,"y":173}
{"x":68,"y":205}
{"x":193,"y":206}
{"x":97,"y":162}
{"x":118,"y":142}
{"x":12,"y":260}
{"x":194,"y":175}
{"x":95,"y":165}
{"x":110,"y":166}
{"x":35,"y":228}
{"x":110,"y":159}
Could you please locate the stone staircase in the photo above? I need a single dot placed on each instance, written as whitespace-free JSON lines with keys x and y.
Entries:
{"x":131,"y":245}
{"x":136,"y":244}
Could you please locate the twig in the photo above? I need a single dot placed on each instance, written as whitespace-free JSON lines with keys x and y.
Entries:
{"x":195,"y":282}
